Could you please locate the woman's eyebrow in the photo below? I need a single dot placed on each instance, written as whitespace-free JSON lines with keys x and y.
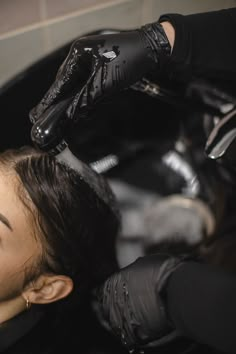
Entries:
{"x":5,"y":221}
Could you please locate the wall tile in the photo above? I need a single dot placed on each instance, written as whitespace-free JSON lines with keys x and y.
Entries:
{"x":18,"y":13}
{"x":18,"y":52}
{"x":147,"y":8}
{"x":62,"y":7}
{"x":27,"y":46}
{"x":121,"y":15}
{"x":160,"y":7}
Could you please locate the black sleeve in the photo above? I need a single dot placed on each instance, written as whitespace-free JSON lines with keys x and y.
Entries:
{"x":205,"y":45}
{"x":201,"y":302}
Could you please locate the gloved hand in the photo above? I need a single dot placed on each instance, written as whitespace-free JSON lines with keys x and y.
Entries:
{"x":100,"y":65}
{"x":131,"y":303}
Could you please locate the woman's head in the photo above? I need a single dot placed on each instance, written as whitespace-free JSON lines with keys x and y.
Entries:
{"x":57,"y":235}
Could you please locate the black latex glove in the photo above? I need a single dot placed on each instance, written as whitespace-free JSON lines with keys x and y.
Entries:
{"x":131,"y":303}
{"x":100,"y":65}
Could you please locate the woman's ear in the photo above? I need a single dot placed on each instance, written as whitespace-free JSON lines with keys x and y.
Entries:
{"x":48,"y":288}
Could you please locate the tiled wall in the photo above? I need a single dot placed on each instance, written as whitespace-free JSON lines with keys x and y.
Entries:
{"x":15,"y":14}
{"x":29,"y":29}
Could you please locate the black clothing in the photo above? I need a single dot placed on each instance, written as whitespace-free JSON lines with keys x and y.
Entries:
{"x":201,"y":304}
{"x":35,"y":332}
{"x":204,"y":45}
{"x":30,"y":332}
{"x":16,"y":328}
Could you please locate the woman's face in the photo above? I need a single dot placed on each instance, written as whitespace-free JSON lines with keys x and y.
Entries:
{"x":19,"y":248}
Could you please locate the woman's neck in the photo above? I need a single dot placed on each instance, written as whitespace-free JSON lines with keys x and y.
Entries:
{"x":11,"y":308}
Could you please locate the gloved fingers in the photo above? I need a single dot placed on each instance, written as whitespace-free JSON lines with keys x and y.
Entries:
{"x":48,"y":99}
{"x":85,"y":98}
{"x":78,"y":107}
{"x":71,"y":77}
{"x":61,"y":87}
{"x":95,"y":90}
{"x":129,"y":323}
{"x":52,"y":94}
{"x":117,"y":310}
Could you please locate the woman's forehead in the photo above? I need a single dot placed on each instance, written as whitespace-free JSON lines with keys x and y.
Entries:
{"x":12,"y":209}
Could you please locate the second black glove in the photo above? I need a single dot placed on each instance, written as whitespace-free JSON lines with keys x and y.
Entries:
{"x":131,"y":302}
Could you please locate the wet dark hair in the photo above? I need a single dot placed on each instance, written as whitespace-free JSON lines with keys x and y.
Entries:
{"x":76,"y":225}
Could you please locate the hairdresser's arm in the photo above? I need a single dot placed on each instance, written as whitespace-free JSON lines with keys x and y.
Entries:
{"x":170,"y":32}
{"x":99,"y":66}
{"x":201,"y":302}
{"x":159,"y":297}
{"x":204,"y":45}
